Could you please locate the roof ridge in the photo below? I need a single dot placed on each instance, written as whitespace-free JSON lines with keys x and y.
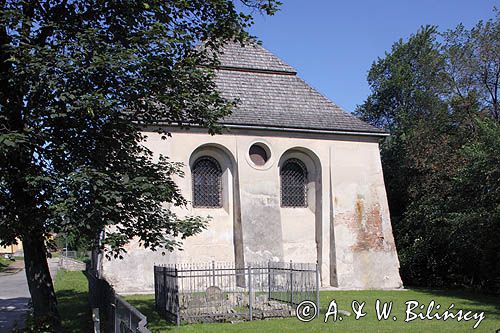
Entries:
{"x":251,"y":56}
{"x":255,"y":70}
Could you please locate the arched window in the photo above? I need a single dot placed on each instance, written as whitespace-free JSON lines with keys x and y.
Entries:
{"x":207,"y":183}
{"x":293,"y":176}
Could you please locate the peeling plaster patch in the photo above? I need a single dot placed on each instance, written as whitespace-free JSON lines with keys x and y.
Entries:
{"x":360,"y":209}
{"x":263,"y":255}
{"x":300,"y":251}
{"x":369,"y":228}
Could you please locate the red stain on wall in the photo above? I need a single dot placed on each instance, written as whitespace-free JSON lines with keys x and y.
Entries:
{"x":368,"y":228}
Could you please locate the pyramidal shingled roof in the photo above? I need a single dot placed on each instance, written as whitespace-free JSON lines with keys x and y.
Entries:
{"x":252,"y":57}
{"x":272,"y":96}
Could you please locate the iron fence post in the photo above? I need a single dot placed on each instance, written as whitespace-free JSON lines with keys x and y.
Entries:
{"x":269,"y":280}
{"x":317,"y":289}
{"x":291,"y":282}
{"x":213,"y":273}
{"x":250,"y":289}
{"x":177,"y":305}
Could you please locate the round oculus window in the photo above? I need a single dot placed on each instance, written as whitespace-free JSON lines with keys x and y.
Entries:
{"x":258,"y":154}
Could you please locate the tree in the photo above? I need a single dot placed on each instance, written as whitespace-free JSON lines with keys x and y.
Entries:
{"x":473,"y":63}
{"x":406,"y":88}
{"x":77,"y":80}
{"x":436,"y":94}
{"x":475,"y":209}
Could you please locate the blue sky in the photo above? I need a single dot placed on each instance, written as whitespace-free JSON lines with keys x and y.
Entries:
{"x":332,"y":43}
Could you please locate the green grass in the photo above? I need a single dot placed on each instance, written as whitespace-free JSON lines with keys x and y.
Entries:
{"x":72,"y":296}
{"x":71,"y":290}
{"x":5,"y":263}
{"x":462,"y":300}
{"x":55,"y":254}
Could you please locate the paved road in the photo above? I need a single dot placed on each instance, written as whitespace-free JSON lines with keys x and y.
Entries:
{"x":14,"y":297}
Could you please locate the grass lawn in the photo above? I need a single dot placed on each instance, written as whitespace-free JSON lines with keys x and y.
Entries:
{"x":490,"y":305}
{"x":4,"y":263}
{"x":72,"y":295}
{"x":55,"y":254}
{"x":71,"y":289}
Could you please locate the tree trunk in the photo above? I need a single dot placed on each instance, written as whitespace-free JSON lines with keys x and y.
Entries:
{"x":40,"y":284}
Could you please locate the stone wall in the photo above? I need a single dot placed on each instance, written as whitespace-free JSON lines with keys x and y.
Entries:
{"x":345,"y":227}
{"x":71,"y":264}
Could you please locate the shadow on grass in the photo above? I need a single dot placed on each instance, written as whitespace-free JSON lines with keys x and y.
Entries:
{"x":473,"y":300}
{"x":155,"y":322}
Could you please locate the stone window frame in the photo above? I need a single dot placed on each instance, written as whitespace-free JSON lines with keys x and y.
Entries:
{"x":269,"y":151}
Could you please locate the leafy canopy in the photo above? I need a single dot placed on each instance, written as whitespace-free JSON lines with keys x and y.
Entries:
{"x":77,"y":79}
{"x":437,"y":95}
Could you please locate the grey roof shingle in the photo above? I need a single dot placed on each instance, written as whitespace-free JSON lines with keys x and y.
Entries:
{"x":271,"y":95}
{"x":252,"y":56}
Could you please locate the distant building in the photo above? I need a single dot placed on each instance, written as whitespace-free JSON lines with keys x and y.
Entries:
{"x":295,"y":177}
{"x":11,"y":249}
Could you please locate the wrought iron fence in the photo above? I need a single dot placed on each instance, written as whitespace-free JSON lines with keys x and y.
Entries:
{"x":117,"y":315}
{"x":209,"y":292}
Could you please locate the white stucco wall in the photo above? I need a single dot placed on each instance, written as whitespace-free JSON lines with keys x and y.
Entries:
{"x":346,"y":191}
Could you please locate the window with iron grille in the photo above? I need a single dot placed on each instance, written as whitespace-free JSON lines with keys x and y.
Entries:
{"x":293,"y":176}
{"x":207,"y":183}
